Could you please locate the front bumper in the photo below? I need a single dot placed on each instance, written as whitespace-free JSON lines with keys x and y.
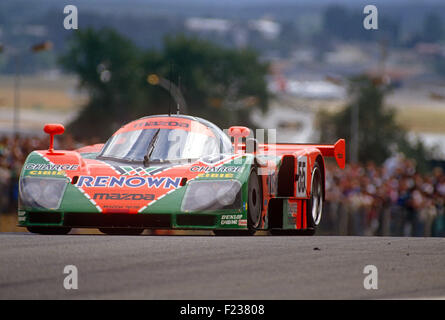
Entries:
{"x":206,"y":221}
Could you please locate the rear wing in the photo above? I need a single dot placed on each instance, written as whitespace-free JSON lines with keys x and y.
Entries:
{"x":336,"y":150}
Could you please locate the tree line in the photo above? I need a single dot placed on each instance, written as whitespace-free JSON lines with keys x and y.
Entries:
{"x":220,"y":84}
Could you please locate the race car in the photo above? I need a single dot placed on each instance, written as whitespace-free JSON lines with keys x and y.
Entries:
{"x":176,"y":172}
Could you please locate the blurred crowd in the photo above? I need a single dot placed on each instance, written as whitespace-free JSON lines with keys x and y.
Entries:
{"x":389,"y":200}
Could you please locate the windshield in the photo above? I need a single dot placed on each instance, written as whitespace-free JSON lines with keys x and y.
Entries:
{"x":166,"y":145}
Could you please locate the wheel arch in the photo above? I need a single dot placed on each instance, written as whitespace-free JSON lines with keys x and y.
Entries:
{"x":286,"y":176}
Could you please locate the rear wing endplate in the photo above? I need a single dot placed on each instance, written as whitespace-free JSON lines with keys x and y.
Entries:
{"x":337,"y":151}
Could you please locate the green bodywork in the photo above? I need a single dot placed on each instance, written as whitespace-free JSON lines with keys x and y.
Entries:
{"x":75,"y":201}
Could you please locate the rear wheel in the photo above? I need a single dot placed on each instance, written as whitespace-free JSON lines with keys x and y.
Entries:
{"x":315,"y":203}
{"x":49,"y":230}
{"x":122,"y":231}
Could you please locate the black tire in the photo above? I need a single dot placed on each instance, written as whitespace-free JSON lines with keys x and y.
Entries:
{"x":254,"y":201}
{"x":122,"y":231}
{"x":49,"y":230}
{"x":315,"y":203}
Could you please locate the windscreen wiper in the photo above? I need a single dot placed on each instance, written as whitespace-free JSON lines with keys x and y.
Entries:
{"x":150,"y":148}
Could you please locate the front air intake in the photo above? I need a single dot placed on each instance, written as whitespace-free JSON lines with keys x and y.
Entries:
{"x":45,"y":217}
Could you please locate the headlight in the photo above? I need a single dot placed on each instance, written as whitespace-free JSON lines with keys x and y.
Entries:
{"x":212,"y":195}
{"x":42,"y":192}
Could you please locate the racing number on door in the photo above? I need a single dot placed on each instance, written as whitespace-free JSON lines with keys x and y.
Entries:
{"x":302,"y":177}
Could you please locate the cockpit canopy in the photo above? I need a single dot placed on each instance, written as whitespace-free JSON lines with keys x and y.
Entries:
{"x":166,"y":138}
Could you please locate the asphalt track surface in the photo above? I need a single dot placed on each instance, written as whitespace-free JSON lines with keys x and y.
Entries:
{"x":208,"y":267}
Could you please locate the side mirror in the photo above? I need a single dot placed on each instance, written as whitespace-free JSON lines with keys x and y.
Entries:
{"x":52,"y":129}
{"x":238,"y":132}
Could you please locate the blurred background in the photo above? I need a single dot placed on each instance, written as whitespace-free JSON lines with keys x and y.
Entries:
{"x":308,"y":69}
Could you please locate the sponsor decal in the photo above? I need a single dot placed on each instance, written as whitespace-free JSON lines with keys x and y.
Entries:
{"x":242,"y":222}
{"x":216,"y":169}
{"x":46,"y":173}
{"x":295,"y":217}
{"x":51,"y":167}
{"x":161,"y":123}
{"x":216,"y":175}
{"x":292,"y":207}
{"x":131,"y":182}
{"x":138,"y":171}
{"x":123,"y":196}
{"x":292,"y":211}
{"x":120,"y":207}
{"x":21,"y":216}
{"x":302,"y":177}
{"x":231,"y":219}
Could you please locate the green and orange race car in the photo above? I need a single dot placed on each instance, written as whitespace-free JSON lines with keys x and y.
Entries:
{"x":176,"y":172}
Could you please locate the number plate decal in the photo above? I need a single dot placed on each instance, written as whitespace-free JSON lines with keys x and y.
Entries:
{"x":301,"y":184}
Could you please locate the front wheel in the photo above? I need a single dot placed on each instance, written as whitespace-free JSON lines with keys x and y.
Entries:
{"x":254,"y":201}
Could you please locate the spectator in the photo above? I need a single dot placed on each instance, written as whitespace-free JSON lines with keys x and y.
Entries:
{"x":391,"y":200}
